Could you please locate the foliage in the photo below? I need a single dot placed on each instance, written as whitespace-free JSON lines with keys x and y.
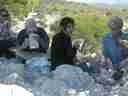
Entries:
{"x":19,"y":8}
{"x":91,"y":28}
{"x":88,"y":25}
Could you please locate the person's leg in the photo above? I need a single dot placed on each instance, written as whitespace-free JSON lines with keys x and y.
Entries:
{"x":1,"y":52}
{"x":7,"y":45}
{"x":9,"y":54}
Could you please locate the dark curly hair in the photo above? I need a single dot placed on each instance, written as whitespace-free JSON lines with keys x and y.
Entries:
{"x":67,"y":20}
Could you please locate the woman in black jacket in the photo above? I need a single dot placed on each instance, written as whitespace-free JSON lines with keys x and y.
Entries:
{"x":33,"y":38}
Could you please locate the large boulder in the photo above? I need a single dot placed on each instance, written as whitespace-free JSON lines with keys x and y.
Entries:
{"x":73,"y":76}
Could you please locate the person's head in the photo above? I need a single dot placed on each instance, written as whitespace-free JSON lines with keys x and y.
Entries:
{"x":67,"y":25}
{"x":115,"y":24}
{"x":31,"y":25}
{"x":5,"y":23}
{"x":4,"y":15}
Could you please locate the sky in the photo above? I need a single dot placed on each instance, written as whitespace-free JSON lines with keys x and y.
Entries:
{"x":103,"y":1}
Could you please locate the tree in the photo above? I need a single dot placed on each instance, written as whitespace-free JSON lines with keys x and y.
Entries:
{"x":19,"y":8}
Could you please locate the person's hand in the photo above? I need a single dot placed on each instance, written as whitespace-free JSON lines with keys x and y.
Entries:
{"x":25,"y":44}
{"x":108,"y":61}
{"x":76,"y":46}
{"x":124,"y":43}
{"x":75,"y":60}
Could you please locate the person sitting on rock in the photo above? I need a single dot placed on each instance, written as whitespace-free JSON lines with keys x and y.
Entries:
{"x":33,"y":38}
{"x":33,"y":43}
{"x":7,"y":40}
{"x":113,"y":50}
{"x":62,"y":51}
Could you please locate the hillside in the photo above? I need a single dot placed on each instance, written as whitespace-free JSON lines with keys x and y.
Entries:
{"x":91,"y":20}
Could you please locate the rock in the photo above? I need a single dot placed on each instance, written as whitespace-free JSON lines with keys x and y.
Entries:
{"x":71,"y":92}
{"x":52,"y":87}
{"x":40,"y":81}
{"x":13,"y":90}
{"x":105,"y":77}
{"x":98,"y":90}
{"x":73,"y":76}
{"x":123,"y":91}
{"x":124,"y":64}
{"x":36,"y":67}
{"x":39,"y":64}
{"x":66,"y":80}
{"x":7,"y":67}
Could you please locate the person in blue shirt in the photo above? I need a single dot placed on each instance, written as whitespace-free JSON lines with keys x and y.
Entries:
{"x":113,"y":50}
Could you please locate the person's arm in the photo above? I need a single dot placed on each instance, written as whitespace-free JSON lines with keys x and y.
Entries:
{"x":44,"y":39}
{"x":106,"y":52}
{"x":107,"y":58}
{"x":53,"y":49}
{"x":57,"y":50}
{"x":69,"y":49}
{"x":21,"y":37}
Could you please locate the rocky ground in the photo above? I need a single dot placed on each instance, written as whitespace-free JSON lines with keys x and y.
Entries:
{"x":66,"y":80}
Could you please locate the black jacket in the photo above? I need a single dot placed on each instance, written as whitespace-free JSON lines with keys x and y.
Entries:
{"x":62,"y":51}
{"x":43,"y":42}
